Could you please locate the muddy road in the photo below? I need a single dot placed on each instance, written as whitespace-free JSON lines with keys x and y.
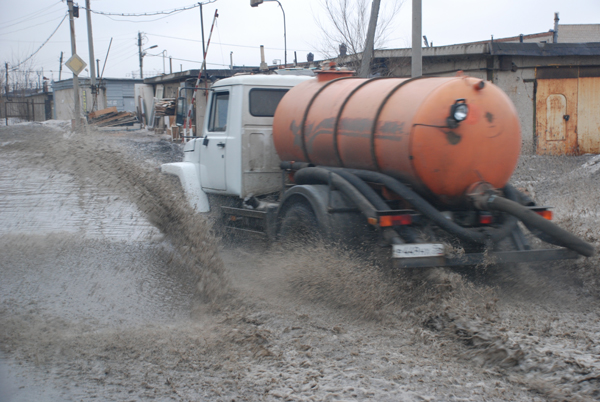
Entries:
{"x":112,"y":289}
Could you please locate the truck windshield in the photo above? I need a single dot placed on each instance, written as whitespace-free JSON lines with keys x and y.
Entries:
{"x":218,"y":112}
{"x":263,"y":102}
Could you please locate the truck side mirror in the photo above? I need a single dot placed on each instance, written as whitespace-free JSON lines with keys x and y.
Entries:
{"x":180,"y":110}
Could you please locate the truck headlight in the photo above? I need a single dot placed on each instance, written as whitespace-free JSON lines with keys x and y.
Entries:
{"x":458,"y":112}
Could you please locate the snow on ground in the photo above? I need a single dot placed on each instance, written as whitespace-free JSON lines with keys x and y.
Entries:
{"x":111,"y":289}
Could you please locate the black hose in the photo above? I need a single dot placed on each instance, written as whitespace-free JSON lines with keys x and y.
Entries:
{"x":425,"y":208}
{"x":294,"y":165}
{"x":312,"y":175}
{"x":405,"y":232}
{"x":363,"y":187}
{"x":528,"y":202}
{"x":349,"y":182}
{"x":533,"y":220}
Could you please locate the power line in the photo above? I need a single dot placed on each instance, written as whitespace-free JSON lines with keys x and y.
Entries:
{"x":138,"y":22}
{"x":199,"y":62}
{"x":29,"y":27}
{"x":31,"y":16}
{"x":218,"y":43}
{"x":43,"y":44}
{"x":153,"y":13}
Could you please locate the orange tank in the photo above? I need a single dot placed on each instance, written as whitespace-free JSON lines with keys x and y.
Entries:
{"x":399,"y":127}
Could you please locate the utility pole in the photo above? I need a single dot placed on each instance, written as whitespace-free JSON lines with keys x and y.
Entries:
{"x":365,"y":64}
{"x":97,"y":68}
{"x":555,"y":34}
{"x":75,"y":78}
{"x":91,"y":50}
{"x":141,"y":56}
{"x":417,"y":55}
{"x":60,"y":66}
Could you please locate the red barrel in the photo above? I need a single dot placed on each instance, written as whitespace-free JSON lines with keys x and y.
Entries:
{"x":400,"y":127}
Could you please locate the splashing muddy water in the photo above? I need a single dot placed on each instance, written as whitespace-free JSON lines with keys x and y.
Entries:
{"x":112,"y":289}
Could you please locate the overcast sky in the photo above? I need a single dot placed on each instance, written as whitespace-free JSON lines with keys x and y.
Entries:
{"x":25,"y":25}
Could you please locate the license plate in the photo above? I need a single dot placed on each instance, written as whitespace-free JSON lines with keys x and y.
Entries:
{"x":417,"y":250}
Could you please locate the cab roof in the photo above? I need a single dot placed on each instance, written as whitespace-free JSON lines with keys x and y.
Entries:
{"x":263,"y":80}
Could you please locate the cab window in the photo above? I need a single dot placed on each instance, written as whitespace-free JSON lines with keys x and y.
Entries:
{"x":263,"y":102}
{"x":218,"y":112}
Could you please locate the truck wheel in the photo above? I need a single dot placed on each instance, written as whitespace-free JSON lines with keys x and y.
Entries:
{"x":299,"y":224}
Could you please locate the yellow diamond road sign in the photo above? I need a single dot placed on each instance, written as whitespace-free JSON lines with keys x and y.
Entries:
{"x":75,"y":64}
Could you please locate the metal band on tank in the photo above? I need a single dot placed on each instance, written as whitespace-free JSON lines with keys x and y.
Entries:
{"x":376,"y":118}
{"x":303,"y":122}
{"x":337,"y":118}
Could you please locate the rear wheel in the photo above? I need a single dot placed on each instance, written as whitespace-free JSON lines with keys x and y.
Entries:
{"x":299,"y":224}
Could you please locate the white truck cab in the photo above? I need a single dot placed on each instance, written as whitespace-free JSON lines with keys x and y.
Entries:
{"x":235,"y":157}
{"x":235,"y":154}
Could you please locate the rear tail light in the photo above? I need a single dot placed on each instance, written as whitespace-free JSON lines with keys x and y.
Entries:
{"x":485,"y":219}
{"x":395,"y":220}
{"x":546,"y":214}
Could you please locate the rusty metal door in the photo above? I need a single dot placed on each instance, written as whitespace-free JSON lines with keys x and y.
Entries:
{"x":588,"y":115}
{"x":556,"y":116}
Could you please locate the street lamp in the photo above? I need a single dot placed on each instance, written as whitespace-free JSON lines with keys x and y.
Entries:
{"x":142,"y":54}
{"x":255,"y":3}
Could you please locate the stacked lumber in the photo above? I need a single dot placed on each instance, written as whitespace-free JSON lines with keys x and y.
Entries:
{"x":165,"y":107}
{"x":110,"y":117}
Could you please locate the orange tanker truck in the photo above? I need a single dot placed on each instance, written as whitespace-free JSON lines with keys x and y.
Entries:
{"x":419,"y":165}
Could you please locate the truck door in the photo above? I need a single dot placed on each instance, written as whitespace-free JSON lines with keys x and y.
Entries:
{"x":212,"y":154}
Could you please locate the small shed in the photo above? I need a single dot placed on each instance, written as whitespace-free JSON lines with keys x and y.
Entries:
{"x":118,"y":92}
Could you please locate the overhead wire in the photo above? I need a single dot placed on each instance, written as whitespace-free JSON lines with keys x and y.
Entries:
{"x":138,"y":22}
{"x":43,"y":44}
{"x":120,"y":55}
{"x":220,"y":43}
{"x":29,"y":27}
{"x":31,"y":16}
{"x":153,"y":13}
{"x":199,"y":62}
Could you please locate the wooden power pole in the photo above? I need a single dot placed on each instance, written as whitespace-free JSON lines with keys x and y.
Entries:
{"x":75,"y":78}
{"x":91,"y":50}
{"x":141,"y":55}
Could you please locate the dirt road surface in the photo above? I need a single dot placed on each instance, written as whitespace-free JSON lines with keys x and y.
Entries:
{"x":112,"y":289}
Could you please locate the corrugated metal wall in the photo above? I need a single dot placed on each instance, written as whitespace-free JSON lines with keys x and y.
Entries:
{"x":120,"y":94}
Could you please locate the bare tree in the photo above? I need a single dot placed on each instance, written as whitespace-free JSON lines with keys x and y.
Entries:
{"x":22,"y":76}
{"x":3,"y":79}
{"x":344,"y":24}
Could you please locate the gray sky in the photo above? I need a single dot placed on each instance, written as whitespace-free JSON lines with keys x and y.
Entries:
{"x":25,"y":25}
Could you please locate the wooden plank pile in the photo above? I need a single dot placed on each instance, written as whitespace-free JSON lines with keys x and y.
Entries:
{"x":164,"y":107}
{"x":110,"y":117}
